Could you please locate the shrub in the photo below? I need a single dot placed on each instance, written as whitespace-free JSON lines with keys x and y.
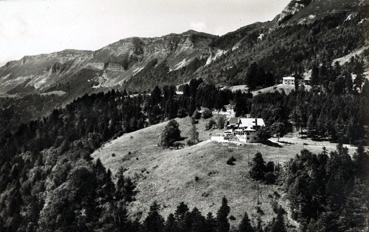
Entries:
{"x":194,"y":121}
{"x":196,"y":115}
{"x":194,"y":136}
{"x":263,"y":134}
{"x":206,"y":113}
{"x":181,"y":113}
{"x":210,"y":124}
{"x":270,"y":167}
{"x":259,"y":171}
{"x":231,"y":161}
{"x":170,"y":134}
{"x":220,"y":122}
{"x":270,"y":178}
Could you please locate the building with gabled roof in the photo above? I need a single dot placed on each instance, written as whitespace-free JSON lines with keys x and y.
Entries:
{"x":244,"y":129}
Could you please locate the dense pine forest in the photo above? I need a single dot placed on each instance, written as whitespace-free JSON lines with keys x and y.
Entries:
{"x":49,"y":182}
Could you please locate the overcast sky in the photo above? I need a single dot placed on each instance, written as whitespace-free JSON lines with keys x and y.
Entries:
{"x":30,"y":27}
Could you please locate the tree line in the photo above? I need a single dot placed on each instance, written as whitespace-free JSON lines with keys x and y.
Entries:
{"x":329,"y":192}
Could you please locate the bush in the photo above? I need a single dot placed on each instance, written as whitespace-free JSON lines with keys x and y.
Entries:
{"x":206,"y":113}
{"x":196,"y":115}
{"x":270,"y":167}
{"x":263,"y":134}
{"x":194,"y":121}
{"x":181,"y":113}
{"x":210,"y":125}
{"x":178,"y":145}
{"x":267,"y":173}
{"x":231,"y":161}
{"x":194,"y":136}
{"x":220,"y":122}
{"x":270,"y":178}
{"x":170,"y":134}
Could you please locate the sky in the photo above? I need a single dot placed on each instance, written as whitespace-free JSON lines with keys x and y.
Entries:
{"x":30,"y":27}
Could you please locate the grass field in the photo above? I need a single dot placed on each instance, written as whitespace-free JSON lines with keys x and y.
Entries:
{"x":199,"y":175}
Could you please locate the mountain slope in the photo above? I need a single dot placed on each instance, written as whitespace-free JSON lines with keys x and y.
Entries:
{"x":307,"y":31}
{"x":111,"y":66}
{"x":142,"y":63}
{"x":314,"y":31}
{"x":198,"y":175}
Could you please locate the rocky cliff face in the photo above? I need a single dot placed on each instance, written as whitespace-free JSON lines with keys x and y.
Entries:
{"x":110,"y":66}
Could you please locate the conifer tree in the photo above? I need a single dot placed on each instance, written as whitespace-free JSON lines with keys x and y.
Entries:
{"x":194,"y":135}
{"x":171,"y":224}
{"x":156,"y":96}
{"x":222,"y":217}
{"x":121,"y":216}
{"x":170,"y":134}
{"x":181,"y":211}
{"x":258,"y":168}
{"x":245,"y":225}
{"x":211,"y":223}
{"x":198,"y":221}
{"x":154,"y":222}
{"x":125,"y":188}
{"x":278,"y":224}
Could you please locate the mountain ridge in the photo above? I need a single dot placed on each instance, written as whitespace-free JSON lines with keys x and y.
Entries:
{"x":288,"y":47}
{"x":169,"y":59}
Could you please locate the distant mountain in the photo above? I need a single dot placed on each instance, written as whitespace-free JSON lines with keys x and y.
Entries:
{"x":77,"y":72}
{"x":306,"y":31}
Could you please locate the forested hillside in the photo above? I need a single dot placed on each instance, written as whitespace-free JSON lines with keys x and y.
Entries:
{"x":48,"y":181}
{"x":314,"y":32}
{"x":57,"y":109}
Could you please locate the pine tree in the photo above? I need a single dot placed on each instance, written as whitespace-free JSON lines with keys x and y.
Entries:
{"x":280,"y":129}
{"x":252,"y":76}
{"x":198,"y":221}
{"x":222,"y":217}
{"x":245,"y":225}
{"x":170,"y":134}
{"x":220,"y":122}
{"x":211,"y":223}
{"x":362,"y":163}
{"x":278,"y":225}
{"x":171,"y":224}
{"x":194,"y":135}
{"x":355,"y":212}
{"x":125,"y":188}
{"x":121,"y":216}
{"x":359,"y":71}
{"x":181,"y":211}
{"x":156,"y":96}
{"x":311,"y":123}
{"x":315,"y":75}
{"x":258,"y":168}
{"x":154,"y":222}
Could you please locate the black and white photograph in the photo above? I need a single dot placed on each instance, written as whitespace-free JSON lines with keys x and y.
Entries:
{"x":184,"y":116}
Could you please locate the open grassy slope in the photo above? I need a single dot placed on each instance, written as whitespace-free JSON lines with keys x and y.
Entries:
{"x":198,"y":175}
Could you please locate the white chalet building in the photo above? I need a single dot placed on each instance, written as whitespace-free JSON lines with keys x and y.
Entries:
{"x":289,"y":81}
{"x":244,"y":129}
